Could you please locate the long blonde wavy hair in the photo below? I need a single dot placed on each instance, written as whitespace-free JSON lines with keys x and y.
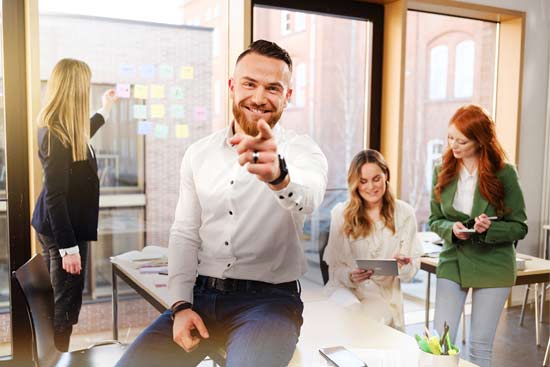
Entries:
{"x":356,"y":221}
{"x":67,"y":110}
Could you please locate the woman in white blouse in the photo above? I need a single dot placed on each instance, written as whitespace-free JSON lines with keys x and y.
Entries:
{"x":372,"y":224}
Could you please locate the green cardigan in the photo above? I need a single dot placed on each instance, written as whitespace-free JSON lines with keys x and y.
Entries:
{"x":485,"y":260}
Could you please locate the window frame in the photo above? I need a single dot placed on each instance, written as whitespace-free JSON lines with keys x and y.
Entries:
{"x":356,"y":10}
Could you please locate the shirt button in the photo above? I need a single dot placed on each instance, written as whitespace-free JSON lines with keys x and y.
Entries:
{"x":228,"y":265}
{"x":290,"y":194}
{"x":281,"y":197}
{"x":230,"y":212}
{"x":232,"y":182}
{"x":300,"y":209}
{"x":226,"y":243}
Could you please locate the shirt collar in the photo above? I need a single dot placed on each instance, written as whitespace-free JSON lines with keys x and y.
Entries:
{"x":464,"y":174}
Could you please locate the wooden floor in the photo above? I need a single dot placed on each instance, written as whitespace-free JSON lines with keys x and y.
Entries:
{"x":514,"y":345}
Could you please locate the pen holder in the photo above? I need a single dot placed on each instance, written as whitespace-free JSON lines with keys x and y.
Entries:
{"x":432,"y":360}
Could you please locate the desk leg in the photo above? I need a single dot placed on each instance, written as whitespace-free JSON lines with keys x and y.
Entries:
{"x":115,"y":304}
{"x":547,"y":354}
{"x":427,"y":321}
{"x":537,"y":336}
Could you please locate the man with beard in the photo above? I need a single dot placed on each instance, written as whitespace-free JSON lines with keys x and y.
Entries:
{"x":235,"y":251}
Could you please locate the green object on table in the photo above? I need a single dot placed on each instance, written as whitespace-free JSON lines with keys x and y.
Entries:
{"x":422,"y":344}
{"x":433,"y":343}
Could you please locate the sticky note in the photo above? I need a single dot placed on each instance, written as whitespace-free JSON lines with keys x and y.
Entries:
{"x":123,"y":90}
{"x":157,"y":111}
{"x":147,"y":71}
{"x":140,"y":111}
{"x":157,"y":91}
{"x":166,"y":71}
{"x":182,"y":131}
{"x":176,"y":93}
{"x":187,"y":72}
{"x":127,"y":71}
{"x":161,"y":131}
{"x":145,"y":127}
{"x":200,"y":113}
{"x":176,"y":111}
{"x":141,"y":91}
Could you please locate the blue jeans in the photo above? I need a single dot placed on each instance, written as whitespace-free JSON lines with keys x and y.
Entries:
{"x":67,"y":289}
{"x":256,"y":328}
{"x":487,"y":304}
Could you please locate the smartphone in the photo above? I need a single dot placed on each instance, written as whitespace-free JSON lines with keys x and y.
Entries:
{"x":341,"y":357}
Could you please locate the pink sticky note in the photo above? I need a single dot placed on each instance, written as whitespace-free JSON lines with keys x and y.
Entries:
{"x":200,"y":113}
{"x":123,"y":90}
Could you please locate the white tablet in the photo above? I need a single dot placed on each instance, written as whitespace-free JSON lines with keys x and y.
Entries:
{"x":467,"y":230}
{"x":380,"y":267}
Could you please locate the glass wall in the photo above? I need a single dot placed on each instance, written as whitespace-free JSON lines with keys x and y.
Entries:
{"x":167,"y":63}
{"x":329,"y":98}
{"x":450,"y":62}
{"x":5,"y":319}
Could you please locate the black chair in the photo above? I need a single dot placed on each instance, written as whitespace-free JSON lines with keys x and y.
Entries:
{"x":323,"y":242}
{"x":34,"y":280}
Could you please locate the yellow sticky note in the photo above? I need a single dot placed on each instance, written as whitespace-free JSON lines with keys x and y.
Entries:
{"x":140,"y":91}
{"x":157,"y":91}
{"x":182,"y":131}
{"x":187,"y":72}
{"x":157,"y":111}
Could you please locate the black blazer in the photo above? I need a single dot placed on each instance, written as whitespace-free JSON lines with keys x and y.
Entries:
{"x":68,"y":206}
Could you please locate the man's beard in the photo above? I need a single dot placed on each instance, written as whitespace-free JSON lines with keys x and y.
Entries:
{"x":251,"y":127}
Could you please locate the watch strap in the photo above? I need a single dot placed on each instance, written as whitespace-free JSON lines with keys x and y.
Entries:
{"x":284,"y":171}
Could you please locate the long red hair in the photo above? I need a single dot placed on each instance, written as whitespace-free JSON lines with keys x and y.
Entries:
{"x":476,"y":124}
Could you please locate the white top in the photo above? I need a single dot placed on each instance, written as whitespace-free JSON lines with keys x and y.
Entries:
{"x":229,"y":224}
{"x":341,"y":253}
{"x":465,"y":190}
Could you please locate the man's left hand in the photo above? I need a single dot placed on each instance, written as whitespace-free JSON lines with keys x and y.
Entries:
{"x":262,"y":146}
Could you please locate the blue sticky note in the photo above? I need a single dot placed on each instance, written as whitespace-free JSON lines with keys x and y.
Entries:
{"x":140,"y":111}
{"x":161,"y":131}
{"x":166,"y":71}
{"x":145,"y":127}
{"x":127,"y":71}
{"x":147,"y":71}
{"x":177,"y":111}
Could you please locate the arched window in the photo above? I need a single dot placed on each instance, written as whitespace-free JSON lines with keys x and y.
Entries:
{"x":464,"y":69}
{"x":439,"y":59}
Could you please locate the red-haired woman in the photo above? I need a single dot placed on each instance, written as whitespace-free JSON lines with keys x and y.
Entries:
{"x":477,"y":207}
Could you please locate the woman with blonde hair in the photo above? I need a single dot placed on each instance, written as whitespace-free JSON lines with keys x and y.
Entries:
{"x":66,"y":213}
{"x":372,"y":224}
{"x":477,"y":208}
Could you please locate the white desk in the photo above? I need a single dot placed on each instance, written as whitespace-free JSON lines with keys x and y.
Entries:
{"x":325,"y":324}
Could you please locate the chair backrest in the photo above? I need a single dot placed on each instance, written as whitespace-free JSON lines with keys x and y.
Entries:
{"x":34,"y":280}
{"x":323,"y":241}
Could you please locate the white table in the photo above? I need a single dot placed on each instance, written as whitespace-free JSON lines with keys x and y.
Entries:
{"x":325,"y":324}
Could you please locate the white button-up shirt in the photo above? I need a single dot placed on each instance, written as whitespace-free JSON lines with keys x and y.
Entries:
{"x":229,"y":224}
{"x":465,"y":190}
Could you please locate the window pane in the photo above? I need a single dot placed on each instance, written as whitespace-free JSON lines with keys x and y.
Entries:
{"x":464,"y":69}
{"x":329,"y":97}
{"x":438,"y":72}
{"x":440,"y":56}
{"x":167,"y":61}
{"x":5,"y":316}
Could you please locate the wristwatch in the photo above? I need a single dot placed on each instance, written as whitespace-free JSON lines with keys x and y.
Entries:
{"x":179,"y":306}
{"x":284,"y":171}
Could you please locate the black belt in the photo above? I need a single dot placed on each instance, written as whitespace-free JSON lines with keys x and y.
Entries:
{"x":232,"y":285}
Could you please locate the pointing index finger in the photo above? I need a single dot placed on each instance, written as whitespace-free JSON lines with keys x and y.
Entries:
{"x":264,"y":130}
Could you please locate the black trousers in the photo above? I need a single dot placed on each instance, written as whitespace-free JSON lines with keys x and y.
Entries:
{"x":67,"y":289}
